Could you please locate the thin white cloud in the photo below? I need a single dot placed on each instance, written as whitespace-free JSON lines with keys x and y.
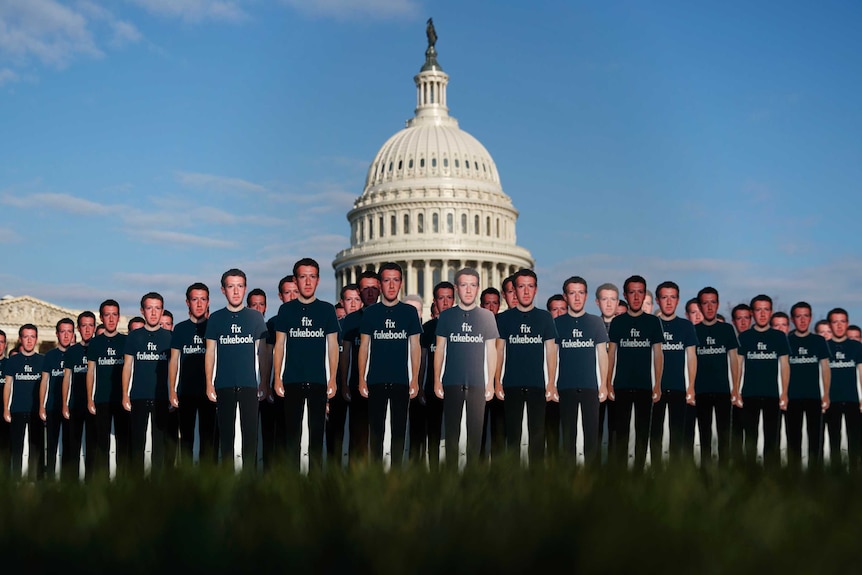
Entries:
{"x":347,"y":9}
{"x":181,"y":239}
{"x":218,"y":183}
{"x":195,"y":10}
{"x":124,"y":33}
{"x":45,"y":30}
{"x":8,"y":236}
{"x":56,"y":202}
{"x":7,"y":76}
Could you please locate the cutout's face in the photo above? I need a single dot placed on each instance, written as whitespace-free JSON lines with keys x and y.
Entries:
{"x":28,"y":340}
{"x":742,"y":320}
{"x":234,"y":290}
{"x":351,"y":301}
{"x":307,"y":278}
{"x":445,"y":299}
{"x":468,"y":289}
{"x":198,"y":302}
{"x":576,"y":297}
{"x":257,"y":303}
{"x":390,"y":284}
{"x":491,"y":302}
{"x":635,"y":295}
{"x":65,"y":336}
{"x":110,"y":317}
{"x":802,"y":319}
{"x":607,"y":302}
{"x":708,"y":306}
{"x":152,"y":311}
{"x":668,"y":299}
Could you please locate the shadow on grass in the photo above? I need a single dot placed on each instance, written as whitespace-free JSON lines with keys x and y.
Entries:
{"x":501,"y":519}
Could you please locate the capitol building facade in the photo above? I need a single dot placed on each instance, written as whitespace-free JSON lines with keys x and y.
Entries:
{"x":432,"y":203}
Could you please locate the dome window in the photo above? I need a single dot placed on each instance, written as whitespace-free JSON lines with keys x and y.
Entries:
{"x":392,"y":225}
{"x":370,"y":229}
{"x":484,"y":169}
{"x":390,"y":166}
{"x":456,"y":163}
{"x":406,"y":227}
{"x":435,"y":223}
{"x":463,"y":223}
{"x":421,"y":162}
{"x":410,"y":164}
{"x":476,"y":165}
{"x":450,"y":224}
{"x":420,"y":224}
{"x":467,"y":164}
{"x":380,"y":226}
{"x":498,"y":227}
{"x":433,"y":162}
{"x":476,"y":225}
{"x":445,"y":162}
{"x":400,"y":163}
{"x":488,"y":226}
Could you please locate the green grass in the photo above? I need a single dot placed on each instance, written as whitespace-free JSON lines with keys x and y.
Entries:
{"x":501,"y":519}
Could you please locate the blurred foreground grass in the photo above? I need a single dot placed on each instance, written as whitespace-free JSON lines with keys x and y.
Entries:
{"x":500,"y":519}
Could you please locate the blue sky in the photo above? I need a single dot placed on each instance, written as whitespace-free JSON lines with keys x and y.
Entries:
{"x":148,"y":144}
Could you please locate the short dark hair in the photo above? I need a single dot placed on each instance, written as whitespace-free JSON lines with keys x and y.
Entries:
{"x":693,"y":300}
{"x":2,"y":333}
{"x":167,"y":313}
{"x":28,"y":326}
{"x":305,"y":262}
{"x":575,"y":280}
{"x":368,"y":274}
{"x":65,"y":320}
{"x":667,"y":285}
{"x":390,"y":266}
{"x":623,"y":303}
{"x":136,"y":319}
{"x":466,"y":272}
{"x":525,"y":273}
{"x":739,"y":307}
{"x":555,"y":297}
{"x":443,"y":285}
{"x":107,"y":303}
{"x":339,"y":305}
{"x":760,"y":297}
{"x":152,"y":295}
{"x":235,"y":272}
{"x":197,"y":286}
{"x":821,"y":322}
{"x":854,"y":327}
{"x":289,"y":279}
{"x":88,"y":314}
{"x":780,"y":314}
{"x":489,"y":291}
{"x":800,"y":305}
{"x":705,"y":291}
{"x":255,"y":291}
{"x":348,"y":287}
{"x":635,"y":279}
{"x":607,"y":286}
{"x":506,"y":280}
{"x":837,"y":311}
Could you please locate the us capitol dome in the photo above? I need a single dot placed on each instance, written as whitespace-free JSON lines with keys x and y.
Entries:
{"x":432,"y":202}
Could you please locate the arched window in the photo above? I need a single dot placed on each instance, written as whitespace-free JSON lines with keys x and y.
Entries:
{"x":435,"y":223}
{"x":370,"y":228}
{"x":463,"y":223}
{"x":476,"y":225}
{"x":380,"y":226}
{"x":406,"y":226}
{"x":488,"y":226}
{"x":498,"y":227}
{"x":420,"y":224}
{"x":392,"y":226}
{"x":450,"y":224}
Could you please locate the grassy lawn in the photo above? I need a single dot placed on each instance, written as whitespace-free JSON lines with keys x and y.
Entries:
{"x":501,"y":519}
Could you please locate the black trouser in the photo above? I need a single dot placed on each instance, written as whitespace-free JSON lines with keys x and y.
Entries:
{"x":588,"y":401}
{"x":737,"y":433}
{"x":17,"y":428}
{"x":142,"y":409}
{"x":641,"y":401}
{"x":607,"y":411}
{"x":200,"y":407}
{"x":706,"y":404}
{"x":53,"y":424}
{"x":853,"y":421}
{"x":335,"y":423}
{"x":357,"y":447}
{"x":426,"y":427}
{"x":534,"y":399}
{"x":227,"y":400}
{"x":552,"y":428}
{"x":455,"y":399}
{"x":122,"y":437}
{"x":99,"y":441}
{"x":295,"y":397}
{"x":495,"y":421}
{"x":674,"y":403}
{"x":273,"y":441}
{"x":397,"y":396}
{"x":813,"y":412}
{"x":752,"y":407}
{"x":73,"y":434}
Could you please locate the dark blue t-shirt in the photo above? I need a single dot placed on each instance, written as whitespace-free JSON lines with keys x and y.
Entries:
{"x":634,"y":337}
{"x":190,"y":339}
{"x":714,"y":342}
{"x":762,"y":350}
{"x":53,"y":366}
{"x":75,"y":360}
{"x":578,"y":339}
{"x":390,"y":329}
{"x":466,"y":332}
{"x":236,"y":334}
{"x":844,"y":383}
{"x":150,"y":351}
{"x":525,"y":334}
{"x":428,"y":342}
{"x":679,"y":335}
{"x":107,"y":353}
{"x":806,"y":353}
{"x":26,"y":373}
{"x":349,"y":326}
{"x":306,"y":327}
